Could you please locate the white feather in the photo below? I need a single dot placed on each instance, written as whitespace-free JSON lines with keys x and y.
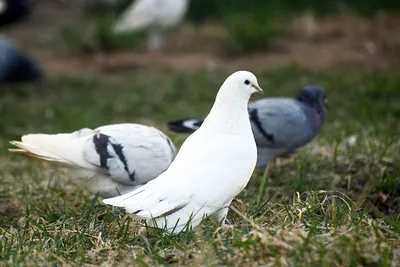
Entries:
{"x":62,"y":148}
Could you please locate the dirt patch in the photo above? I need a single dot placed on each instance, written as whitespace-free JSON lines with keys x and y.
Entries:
{"x":312,"y":43}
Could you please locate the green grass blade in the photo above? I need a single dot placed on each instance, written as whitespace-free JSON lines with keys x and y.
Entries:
{"x":261,"y":189}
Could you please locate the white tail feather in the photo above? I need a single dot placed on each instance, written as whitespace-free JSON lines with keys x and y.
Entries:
{"x":61,"y":148}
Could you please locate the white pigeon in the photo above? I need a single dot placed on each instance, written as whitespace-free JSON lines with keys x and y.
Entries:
{"x":113,"y":159}
{"x":157,"y":15}
{"x":213,"y":165}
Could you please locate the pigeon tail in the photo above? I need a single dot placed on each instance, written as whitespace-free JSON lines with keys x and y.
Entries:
{"x":65,"y":149}
{"x":185,"y":126}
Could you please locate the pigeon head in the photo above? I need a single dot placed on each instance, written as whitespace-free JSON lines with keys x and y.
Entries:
{"x":314,"y":97}
{"x":231,"y":103}
{"x":241,"y":83}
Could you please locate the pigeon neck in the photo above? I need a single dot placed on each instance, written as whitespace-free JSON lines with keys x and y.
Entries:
{"x":317,"y":114}
{"x":319,"y":118}
{"x":229,"y":114}
{"x":314,"y":105}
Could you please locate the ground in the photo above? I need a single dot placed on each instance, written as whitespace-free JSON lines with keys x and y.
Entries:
{"x":333,"y":203}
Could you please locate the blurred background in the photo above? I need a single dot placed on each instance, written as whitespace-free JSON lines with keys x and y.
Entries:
{"x":66,"y":36}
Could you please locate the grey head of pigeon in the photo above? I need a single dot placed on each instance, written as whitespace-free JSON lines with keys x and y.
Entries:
{"x":314,"y":97}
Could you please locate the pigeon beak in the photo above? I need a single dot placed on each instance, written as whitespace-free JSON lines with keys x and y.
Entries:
{"x":258,"y":88}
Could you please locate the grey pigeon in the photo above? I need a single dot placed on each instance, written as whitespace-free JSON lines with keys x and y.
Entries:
{"x":280,"y":125}
{"x":15,"y":67}
{"x":113,"y":158}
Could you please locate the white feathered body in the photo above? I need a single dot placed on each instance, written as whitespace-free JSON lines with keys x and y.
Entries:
{"x":197,"y":192}
{"x":213,"y":166}
{"x":113,"y":159}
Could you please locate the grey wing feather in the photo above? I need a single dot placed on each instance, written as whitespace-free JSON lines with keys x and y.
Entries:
{"x":280,"y":123}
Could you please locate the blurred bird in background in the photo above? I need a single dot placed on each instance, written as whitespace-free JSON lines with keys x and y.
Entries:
{"x":15,"y":67}
{"x":155,"y":15}
{"x":13,"y":11}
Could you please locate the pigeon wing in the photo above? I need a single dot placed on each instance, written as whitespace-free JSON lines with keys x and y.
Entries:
{"x":151,"y":201}
{"x":280,"y":123}
{"x":130,"y":153}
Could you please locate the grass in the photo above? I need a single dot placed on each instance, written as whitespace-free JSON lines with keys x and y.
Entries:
{"x":202,"y":10}
{"x":329,"y":205}
{"x":251,"y":34}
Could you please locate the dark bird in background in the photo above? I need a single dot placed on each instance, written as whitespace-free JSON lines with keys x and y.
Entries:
{"x":15,"y":67}
{"x":13,"y":11}
{"x":280,"y":125}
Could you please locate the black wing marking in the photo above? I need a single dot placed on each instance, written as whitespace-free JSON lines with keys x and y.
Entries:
{"x":254,"y":117}
{"x":118,"y":149}
{"x":101,"y":143}
{"x":171,"y":146}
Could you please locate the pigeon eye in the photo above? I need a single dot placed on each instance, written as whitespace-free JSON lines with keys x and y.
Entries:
{"x":247,"y":82}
